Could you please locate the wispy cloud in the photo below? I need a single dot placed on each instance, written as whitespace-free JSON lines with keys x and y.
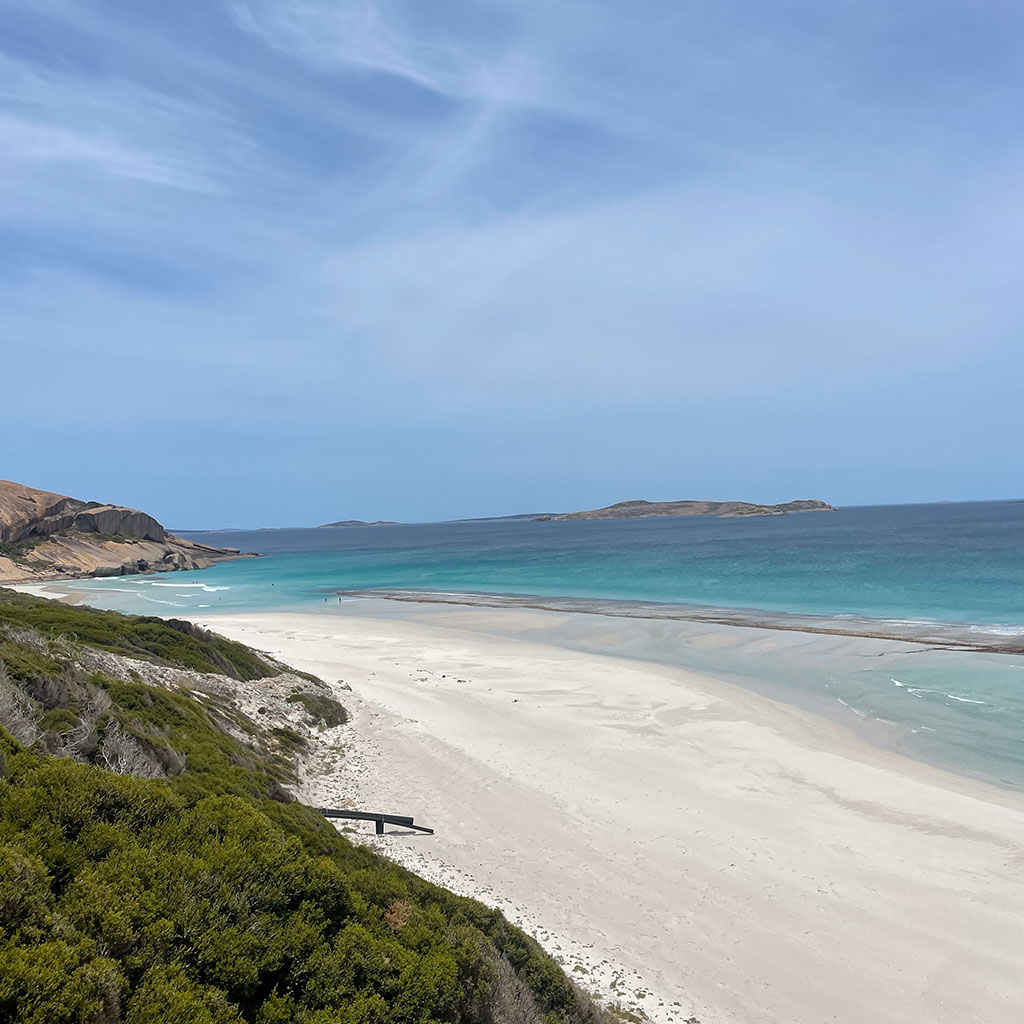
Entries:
{"x":709,"y":296}
{"x":341,"y":222}
{"x":106,"y":124}
{"x":25,"y":142}
{"x":401,"y":39}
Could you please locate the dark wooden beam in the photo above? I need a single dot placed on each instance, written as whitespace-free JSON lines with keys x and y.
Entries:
{"x":380,"y":819}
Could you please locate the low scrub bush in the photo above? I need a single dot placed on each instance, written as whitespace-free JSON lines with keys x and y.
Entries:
{"x":153,"y":870}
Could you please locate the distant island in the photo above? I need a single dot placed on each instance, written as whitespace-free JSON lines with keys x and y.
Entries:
{"x":357,"y":522}
{"x":44,"y":536}
{"x":501,"y":519}
{"x":639,"y":509}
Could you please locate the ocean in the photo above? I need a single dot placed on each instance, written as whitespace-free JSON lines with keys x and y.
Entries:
{"x":949,"y":575}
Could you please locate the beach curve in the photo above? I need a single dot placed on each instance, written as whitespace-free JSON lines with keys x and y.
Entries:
{"x":688,"y":847}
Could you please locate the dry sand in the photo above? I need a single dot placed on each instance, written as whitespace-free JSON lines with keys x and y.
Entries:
{"x":685,"y":846}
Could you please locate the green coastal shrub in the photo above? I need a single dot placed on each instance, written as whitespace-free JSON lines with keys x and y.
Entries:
{"x":203,"y":892}
{"x":19,"y":549}
{"x":165,"y":641}
{"x":324,"y":710}
{"x":125,"y":898}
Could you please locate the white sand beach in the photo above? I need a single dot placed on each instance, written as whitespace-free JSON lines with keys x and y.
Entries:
{"x":686,"y":846}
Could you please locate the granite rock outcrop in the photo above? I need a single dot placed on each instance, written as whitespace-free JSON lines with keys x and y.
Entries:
{"x":45,"y":535}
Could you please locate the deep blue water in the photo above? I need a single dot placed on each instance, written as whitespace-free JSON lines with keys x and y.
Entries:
{"x":949,"y":562}
{"x":953,"y":563}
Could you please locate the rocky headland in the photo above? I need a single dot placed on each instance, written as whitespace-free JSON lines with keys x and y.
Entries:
{"x":44,"y":535}
{"x":639,"y":508}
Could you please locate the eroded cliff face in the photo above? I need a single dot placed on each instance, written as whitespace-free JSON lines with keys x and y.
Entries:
{"x":44,"y":535}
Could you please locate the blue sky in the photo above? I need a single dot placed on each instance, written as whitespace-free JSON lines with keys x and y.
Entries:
{"x":274,"y":262}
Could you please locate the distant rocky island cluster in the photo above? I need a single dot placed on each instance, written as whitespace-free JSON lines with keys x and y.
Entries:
{"x":44,"y":536}
{"x":639,"y":509}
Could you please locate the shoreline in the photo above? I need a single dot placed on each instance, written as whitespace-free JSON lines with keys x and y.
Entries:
{"x":822,"y":670}
{"x":994,"y":638}
{"x":725,"y":855}
{"x":940,"y":634}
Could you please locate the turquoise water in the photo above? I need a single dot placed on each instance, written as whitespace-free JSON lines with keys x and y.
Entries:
{"x":912,"y":565}
{"x":949,"y":562}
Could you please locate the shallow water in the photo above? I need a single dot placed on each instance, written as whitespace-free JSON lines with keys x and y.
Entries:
{"x":909,"y":570}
